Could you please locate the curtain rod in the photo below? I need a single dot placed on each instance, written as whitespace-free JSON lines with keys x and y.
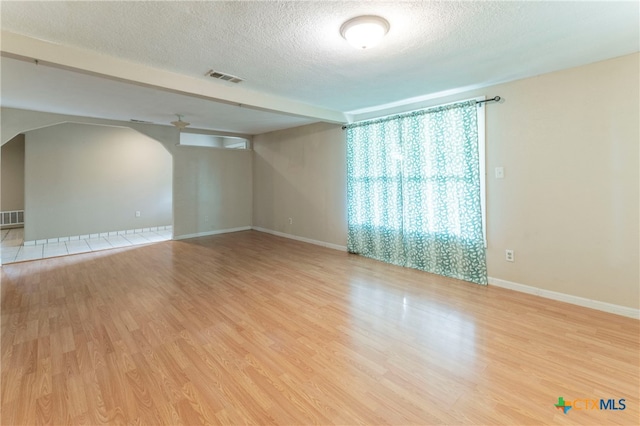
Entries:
{"x":494,"y":99}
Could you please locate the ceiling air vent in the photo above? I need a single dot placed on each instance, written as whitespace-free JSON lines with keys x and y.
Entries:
{"x":223,"y":76}
{"x":133,"y":120}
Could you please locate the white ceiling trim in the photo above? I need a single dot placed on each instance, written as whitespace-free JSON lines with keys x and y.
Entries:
{"x":82,"y":60}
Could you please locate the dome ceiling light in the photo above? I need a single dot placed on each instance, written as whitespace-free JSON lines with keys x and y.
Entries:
{"x":364,"y":32}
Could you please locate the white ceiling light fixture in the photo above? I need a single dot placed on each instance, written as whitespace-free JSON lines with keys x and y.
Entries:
{"x":364,"y":32}
{"x":181,"y":125}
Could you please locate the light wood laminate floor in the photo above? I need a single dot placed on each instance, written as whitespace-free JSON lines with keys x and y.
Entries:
{"x":251,"y":328}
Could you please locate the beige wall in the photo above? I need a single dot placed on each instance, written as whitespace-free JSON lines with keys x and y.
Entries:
{"x":568,"y":204}
{"x":188,"y":181}
{"x":12,"y":169}
{"x":212,"y":189}
{"x":83,"y":179}
{"x":300,"y":173}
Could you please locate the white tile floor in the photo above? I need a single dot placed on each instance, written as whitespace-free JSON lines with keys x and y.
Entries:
{"x":13,"y":249}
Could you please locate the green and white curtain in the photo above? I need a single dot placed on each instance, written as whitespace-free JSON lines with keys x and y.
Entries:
{"x":413,"y":188}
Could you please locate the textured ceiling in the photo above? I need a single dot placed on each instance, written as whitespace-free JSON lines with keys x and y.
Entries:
{"x":294,"y":49}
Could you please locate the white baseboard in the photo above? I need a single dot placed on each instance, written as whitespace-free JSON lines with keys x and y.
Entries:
{"x":216,"y":232}
{"x":96,"y":235}
{"x":568,"y":298}
{"x":548,"y":294}
{"x":303,"y":239}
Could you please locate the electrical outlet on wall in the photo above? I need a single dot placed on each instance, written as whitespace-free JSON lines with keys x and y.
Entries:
{"x":290,"y":221}
{"x":509,"y":256}
{"x":137,"y":213}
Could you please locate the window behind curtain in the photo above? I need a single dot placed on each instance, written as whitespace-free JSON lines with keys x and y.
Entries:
{"x":414,"y":191}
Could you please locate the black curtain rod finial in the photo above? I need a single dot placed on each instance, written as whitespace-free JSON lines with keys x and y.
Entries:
{"x":494,"y":99}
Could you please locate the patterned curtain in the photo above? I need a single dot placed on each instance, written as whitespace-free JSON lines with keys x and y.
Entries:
{"x":413,"y":188}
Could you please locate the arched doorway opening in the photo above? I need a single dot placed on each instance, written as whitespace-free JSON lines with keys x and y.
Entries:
{"x":89,"y":187}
